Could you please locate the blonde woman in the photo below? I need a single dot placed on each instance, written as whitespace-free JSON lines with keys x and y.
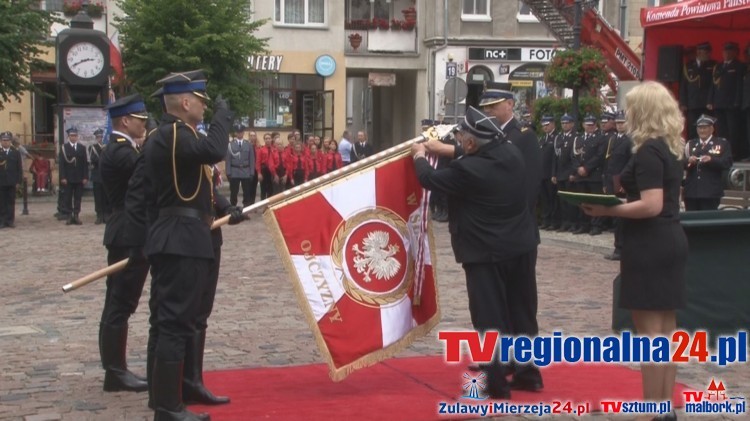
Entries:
{"x":654,"y":251}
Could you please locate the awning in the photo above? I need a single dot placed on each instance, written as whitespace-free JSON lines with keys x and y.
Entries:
{"x":692,"y":22}
{"x":699,"y":14}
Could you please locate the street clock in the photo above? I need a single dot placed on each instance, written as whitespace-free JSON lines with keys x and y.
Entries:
{"x":82,"y":58}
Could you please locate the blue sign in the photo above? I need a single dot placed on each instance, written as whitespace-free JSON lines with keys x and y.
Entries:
{"x":325,"y":65}
{"x":451,"y":70}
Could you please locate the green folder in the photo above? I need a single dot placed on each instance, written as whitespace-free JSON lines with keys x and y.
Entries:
{"x":595,"y":199}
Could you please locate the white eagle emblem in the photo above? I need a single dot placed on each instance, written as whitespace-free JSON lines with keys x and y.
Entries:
{"x":377,"y":257}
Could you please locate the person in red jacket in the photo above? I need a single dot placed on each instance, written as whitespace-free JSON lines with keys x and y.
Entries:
{"x":315,"y":163}
{"x":265,"y":167}
{"x":291,"y":139}
{"x":40,"y":167}
{"x":297,"y":164}
{"x":277,"y":155}
{"x":333,"y":157}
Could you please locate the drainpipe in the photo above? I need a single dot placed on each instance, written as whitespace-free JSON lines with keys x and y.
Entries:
{"x":623,"y":19}
{"x":431,"y":78}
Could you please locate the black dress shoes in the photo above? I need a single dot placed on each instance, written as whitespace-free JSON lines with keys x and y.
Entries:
{"x":595,"y":231}
{"x":498,"y":393}
{"x":534,"y":385}
{"x":672,"y":416}
{"x":614,"y":256}
{"x":580,"y":230}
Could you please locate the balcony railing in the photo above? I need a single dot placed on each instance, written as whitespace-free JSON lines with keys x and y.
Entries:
{"x":380,"y":41}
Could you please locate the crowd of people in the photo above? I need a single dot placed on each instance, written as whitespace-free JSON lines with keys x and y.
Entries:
{"x":720,"y":89}
{"x":497,"y":187}
{"x":276,"y":165}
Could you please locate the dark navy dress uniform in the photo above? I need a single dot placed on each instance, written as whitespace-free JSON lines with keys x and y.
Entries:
{"x":562,"y":169}
{"x":588,"y":153}
{"x":116,"y":166}
{"x":493,"y":236}
{"x":101,"y":203}
{"x":548,"y":190}
{"x":74,"y":168}
{"x":619,"y":151}
{"x":179,"y":247}
{"x":694,"y":86}
{"x":725,"y":96}
{"x":704,"y":181}
{"x":11,"y":174}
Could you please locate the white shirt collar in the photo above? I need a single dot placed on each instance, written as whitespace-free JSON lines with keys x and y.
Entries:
{"x":132,"y":142}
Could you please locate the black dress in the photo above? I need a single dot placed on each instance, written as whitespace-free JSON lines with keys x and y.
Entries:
{"x":654,"y":251}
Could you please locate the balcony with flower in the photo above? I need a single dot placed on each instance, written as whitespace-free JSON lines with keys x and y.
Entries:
{"x":381,"y":27}
{"x":95,"y":9}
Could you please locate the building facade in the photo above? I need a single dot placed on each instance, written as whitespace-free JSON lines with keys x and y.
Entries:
{"x":379,"y":66}
{"x":373,"y":79}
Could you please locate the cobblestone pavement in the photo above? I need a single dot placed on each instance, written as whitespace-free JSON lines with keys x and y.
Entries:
{"x":48,"y":340}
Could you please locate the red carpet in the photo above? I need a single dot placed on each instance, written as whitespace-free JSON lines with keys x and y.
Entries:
{"x":398,"y":389}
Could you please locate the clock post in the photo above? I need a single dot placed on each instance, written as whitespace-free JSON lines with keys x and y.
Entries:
{"x":83,"y":70}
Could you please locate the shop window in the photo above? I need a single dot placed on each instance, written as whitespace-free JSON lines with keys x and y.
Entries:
{"x":476,"y":11}
{"x":281,"y":97}
{"x":525,"y":14}
{"x":301,"y":12}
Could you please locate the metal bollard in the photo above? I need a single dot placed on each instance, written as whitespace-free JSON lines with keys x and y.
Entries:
{"x":25,"y":197}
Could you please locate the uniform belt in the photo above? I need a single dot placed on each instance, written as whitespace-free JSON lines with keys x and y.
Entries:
{"x":188,"y":213}
{"x":240,"y":166}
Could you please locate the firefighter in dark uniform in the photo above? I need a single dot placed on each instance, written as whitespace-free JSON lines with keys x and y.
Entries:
{"x":141,"y":212}
{"x":116,"y":164}
{"x":74,"y":173}
{"x":194,"y":391}
{"x":498,"y":100}
{"x":588,"y":155}
{"x":617,"y":155}
{"x":178,"y":163}
{"x":11,"y":174}
{"x":695,"y":84}
{"x":548,"y":192}
{"x":608,"y":132}
{"x":708,"y":158}
{"x":725,"y":99}
{"x":493,"y":235}
{"x":562,"y":169}
{"x":101,"y":203}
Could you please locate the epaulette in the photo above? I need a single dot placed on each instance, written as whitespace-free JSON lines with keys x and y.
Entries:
{"x":121,"y":139}
{"x":523,"y":129}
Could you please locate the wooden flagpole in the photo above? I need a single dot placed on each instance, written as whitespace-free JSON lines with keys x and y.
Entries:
{"x":435,"y":132}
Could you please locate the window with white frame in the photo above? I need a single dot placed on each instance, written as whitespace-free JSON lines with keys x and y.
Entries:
{"x":359,"y":10}
{"x":300,"y":12}
{"x":476,"y":10}
{"x":524,"y":13}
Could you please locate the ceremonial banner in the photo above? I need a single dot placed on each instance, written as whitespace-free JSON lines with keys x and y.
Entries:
{"x":360,"y":257}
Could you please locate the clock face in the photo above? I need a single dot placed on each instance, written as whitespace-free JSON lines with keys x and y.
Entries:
{"x":85,"y":60}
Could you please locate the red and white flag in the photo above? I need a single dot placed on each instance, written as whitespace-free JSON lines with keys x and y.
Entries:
{"x":360,"y":256}
{"x":115,"y":58}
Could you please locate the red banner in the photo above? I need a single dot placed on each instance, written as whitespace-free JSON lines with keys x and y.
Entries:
{"x":360,"y":257}
{"x":687,"y":10}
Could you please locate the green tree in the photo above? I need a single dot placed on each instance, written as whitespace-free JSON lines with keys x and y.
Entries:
{"x":162,"y":36}
{"x":23,"y":34}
